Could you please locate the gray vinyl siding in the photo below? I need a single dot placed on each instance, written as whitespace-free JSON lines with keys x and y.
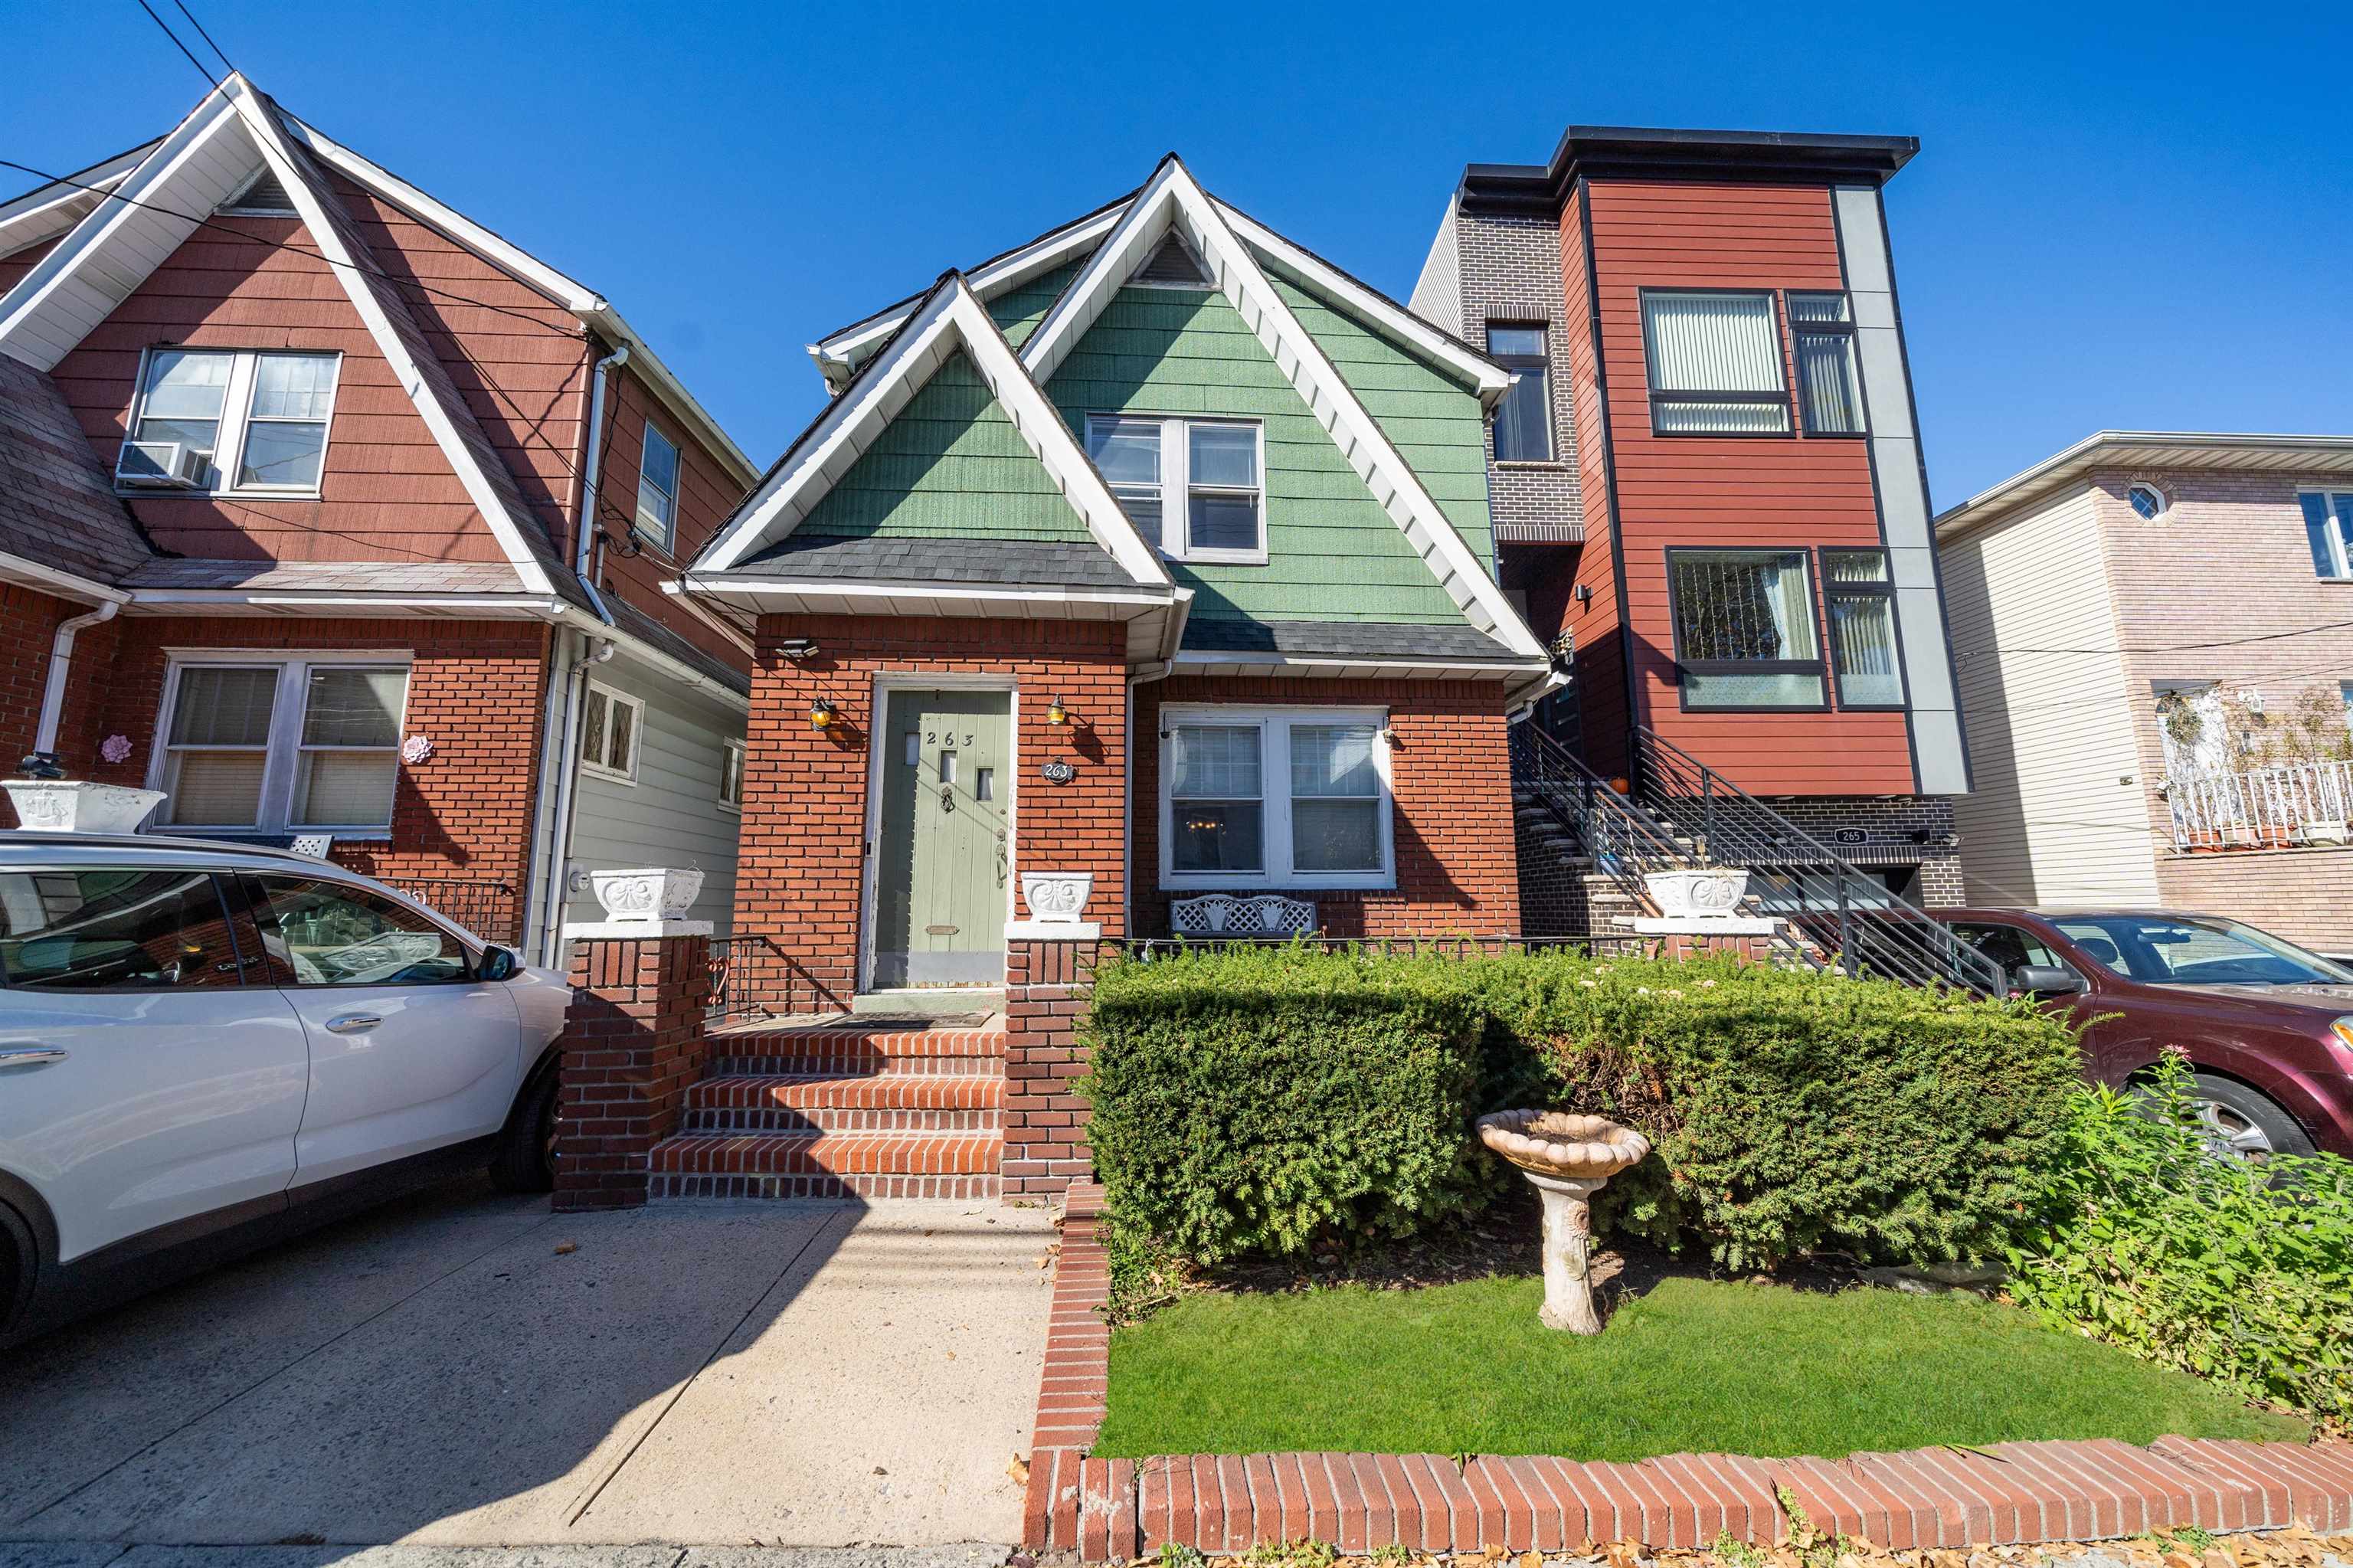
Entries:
{"x":671,"y":815}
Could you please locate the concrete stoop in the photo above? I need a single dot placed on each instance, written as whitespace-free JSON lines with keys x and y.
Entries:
{"x":839,"y":1110}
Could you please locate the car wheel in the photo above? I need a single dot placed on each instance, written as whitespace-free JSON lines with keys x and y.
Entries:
{"x":525,"y":1161}
{"x":18,"y":1261}
{"x":2240,"y":1123}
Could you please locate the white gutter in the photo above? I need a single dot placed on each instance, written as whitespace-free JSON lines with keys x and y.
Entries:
{"x":49,"y":580}
{"x":53,"y":698}
{"x":559,"y":838}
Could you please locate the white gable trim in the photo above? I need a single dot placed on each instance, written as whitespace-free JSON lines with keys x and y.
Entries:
{"x":950,"y":318}
{"x":837,"y":356}
{"x":589,"y":306}
{"x":49,"y":210}
{"x":267,"y":135}
{"x":1172,"y":199}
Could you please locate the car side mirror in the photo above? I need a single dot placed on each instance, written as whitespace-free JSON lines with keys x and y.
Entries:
{"x":498,"y":964}
{"x":2048,"y":979}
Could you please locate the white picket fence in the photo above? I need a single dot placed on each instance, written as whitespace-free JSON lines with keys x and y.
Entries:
{"x":2266,"y":808}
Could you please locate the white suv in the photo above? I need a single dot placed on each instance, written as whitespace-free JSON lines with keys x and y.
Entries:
{"x":205,"y":1048}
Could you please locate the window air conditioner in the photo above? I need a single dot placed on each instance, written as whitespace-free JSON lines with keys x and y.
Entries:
{"x":160,"y":465}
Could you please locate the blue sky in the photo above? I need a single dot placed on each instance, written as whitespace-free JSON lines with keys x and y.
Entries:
{"x":2126,"y":216}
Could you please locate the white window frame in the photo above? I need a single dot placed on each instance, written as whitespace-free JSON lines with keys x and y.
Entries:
{"x":733,"y":755}
{"x":667,"y":538}
{"x":284,"y":749}
{"x":236,"y":420}
{"x":2340,"y":555}
{"x":1177,"y":486}
{"x":1274,"y":725}
{"x":637,"y":706}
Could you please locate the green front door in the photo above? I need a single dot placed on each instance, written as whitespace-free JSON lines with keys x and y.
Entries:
{"x":943,"y":855}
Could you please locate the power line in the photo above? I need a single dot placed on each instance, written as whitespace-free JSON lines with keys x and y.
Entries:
{"x":207,"y":37}
{"x":210,"y":80}
{"x":2180,"y":647}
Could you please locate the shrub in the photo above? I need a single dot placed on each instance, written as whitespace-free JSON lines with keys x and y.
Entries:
{"x":1247,"y":1099}
{"x":1791,"y":1112}
{"x":2237,"y":1272}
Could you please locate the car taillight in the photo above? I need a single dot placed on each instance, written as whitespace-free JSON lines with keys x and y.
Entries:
{"x":2343,"y":1030}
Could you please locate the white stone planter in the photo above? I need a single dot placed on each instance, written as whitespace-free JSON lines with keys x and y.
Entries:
{"x":70,"y":806}
{"x":1713,"y":891}
{"x":1057,"y":897}
{"x":647,"y":893}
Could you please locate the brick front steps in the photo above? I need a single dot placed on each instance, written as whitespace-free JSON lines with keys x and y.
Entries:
{"x":840,"y":1110}
{"x":2008,"y":1493}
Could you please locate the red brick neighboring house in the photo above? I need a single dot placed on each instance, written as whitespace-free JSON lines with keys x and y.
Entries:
{"x":294,"y":464}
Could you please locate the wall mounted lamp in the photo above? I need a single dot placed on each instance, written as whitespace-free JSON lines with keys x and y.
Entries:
{"x":1056,"y":714}
{"x":822,"y":714}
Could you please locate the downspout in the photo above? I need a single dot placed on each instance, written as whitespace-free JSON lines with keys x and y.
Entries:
{"x":567,"y":764}
{"x":1171,"y":638}
{"x":53,"y":696}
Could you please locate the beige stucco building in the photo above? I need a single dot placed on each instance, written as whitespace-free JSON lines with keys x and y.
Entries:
{"x":2153,"y":636}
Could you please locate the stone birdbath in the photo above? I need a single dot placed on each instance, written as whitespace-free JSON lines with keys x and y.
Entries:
{"x":1566,"y":1157}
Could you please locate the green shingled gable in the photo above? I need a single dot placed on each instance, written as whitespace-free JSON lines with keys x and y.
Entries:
{"x":1332,"y":553}
{"x":1018,"y":312}
{"x":950,"y":466}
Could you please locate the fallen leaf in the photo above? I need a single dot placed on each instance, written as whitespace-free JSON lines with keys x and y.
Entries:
{"x":564,"y":1247}
{"x":1019,"y":1470}
{"x":951,"y":1355}
{"x":1531,"y":1559}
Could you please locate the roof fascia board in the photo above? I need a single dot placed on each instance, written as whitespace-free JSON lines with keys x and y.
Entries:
{"x":1623,"y":152}
{"x":592,"y":308}
{"x":479,"y":606}
{"x":951,"y":318}
{"x":51,"y":579}
{"x":30,"y":219}
{"x":746,"y":586}
{"x":2187,"y":448}
{"x":1491,"y":379}
{"x":841,"y":351}
{"x":270,"y":136}
{"x":1171,"y":196}
{"x":210,"y":117}
{"x":1320,"y":664}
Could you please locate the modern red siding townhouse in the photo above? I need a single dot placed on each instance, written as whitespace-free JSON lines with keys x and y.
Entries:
{"x":1707,"y":481}
{"x":294,"y":465}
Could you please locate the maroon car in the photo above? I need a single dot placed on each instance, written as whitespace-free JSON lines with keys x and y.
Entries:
{"x":2266,"y":1026}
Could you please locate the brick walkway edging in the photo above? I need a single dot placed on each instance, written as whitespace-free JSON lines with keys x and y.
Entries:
{"x":2007,"y":1493}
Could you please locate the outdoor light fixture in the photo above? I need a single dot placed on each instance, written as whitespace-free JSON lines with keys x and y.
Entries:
{"x":797,"y":648}
{"x":822,"y":714}
{"x":1056,"y":714}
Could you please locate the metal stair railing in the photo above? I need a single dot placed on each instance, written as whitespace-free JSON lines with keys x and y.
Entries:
{"x":1845,"y":913}
{"x":1623,"y":841}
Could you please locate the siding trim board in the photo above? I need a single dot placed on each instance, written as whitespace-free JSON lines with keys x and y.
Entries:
{"x":1634,"y":711}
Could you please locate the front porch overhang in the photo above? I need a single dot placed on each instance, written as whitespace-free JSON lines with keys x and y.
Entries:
{"x":1154,"y":616}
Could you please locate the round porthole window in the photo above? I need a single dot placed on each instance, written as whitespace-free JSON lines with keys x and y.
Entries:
{"x":2146,"y":500}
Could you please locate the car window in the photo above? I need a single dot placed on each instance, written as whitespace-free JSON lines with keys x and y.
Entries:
{"x":318,"y":932}
{"x":2156,"y":950}
{"x":124,"y":928}
{"x":2013,"y":947}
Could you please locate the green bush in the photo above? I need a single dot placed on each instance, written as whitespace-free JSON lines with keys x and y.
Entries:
{"x":2237,"y":1272}
{"x":1248,"y":1099}
{"x":1792,"y":1112}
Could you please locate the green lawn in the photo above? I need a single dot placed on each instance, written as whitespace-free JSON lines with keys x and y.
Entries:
{"x":1695,"y":1365}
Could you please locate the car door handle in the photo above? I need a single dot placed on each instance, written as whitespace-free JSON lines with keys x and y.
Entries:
{"x":352,"y":1023}
{"x":30,"y":1055}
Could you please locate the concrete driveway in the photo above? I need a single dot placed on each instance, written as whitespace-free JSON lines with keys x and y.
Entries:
{"x":468,"y":1368}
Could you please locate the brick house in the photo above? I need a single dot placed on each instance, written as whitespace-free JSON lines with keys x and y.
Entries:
{"x":2131,"y":754}
{"x":327,"y":510}
{"x":1707,"y":486}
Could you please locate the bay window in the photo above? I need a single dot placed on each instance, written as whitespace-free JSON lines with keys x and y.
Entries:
{"x":1274,"y":798}
{"x":276,"y":745}
{"x":256,"y":423}
{"x":1861,"y":603}
{"x":1715,"y":359}
{"x":1743,"y":625}
{"x":1195,"y":486}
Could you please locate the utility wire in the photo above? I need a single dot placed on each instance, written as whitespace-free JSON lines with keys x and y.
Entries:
{"x":207,"y":37}
{"x":210,"y":80}
{"x":2185,"y":647}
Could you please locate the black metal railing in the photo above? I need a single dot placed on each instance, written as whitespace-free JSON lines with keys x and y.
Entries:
{"x":1622,"y":841}
{"x":753,"y":978}
{"x":1845,"y":913}
{"x":483,"y":905}
{"x":1610,"y":943}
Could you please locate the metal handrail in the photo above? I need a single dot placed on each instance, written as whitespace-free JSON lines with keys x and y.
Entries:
{"x":1856,"y":918}
{"x":482,"y":905}
{"x":1623,"y":841}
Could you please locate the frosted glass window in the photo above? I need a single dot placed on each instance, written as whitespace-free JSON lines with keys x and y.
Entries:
{"x":1715,"y":364}
{"x":608,"y":734}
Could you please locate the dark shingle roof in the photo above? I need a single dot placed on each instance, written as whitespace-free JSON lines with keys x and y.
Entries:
{"x":1000,"y":561}
{"x":58,"y":505}
{"x":628,"y":618}
{"x":402,"y":578}
{"x":1369,"y":640}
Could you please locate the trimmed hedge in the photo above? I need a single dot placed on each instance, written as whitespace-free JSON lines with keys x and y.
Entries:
{"x":1249,"y":1099}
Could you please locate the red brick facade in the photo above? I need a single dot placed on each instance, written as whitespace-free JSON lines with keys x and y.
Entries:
{"x":1046,"y":990}
{"x":800,"y":862}
{"x":634,"y":1044}
{"x":1450,"y":780}
{"x":29,"y":624}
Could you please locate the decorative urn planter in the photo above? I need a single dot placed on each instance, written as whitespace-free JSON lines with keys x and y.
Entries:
{"x":1057,"y":897}
{"x":649,"y":894}
{"x":71,"y":806}
{"x":1698,"y":894}
{"x":1566,"y":1158}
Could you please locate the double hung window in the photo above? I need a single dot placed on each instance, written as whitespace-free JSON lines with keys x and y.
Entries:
{"x":608,"y":734}
{"x":1196,"y":486}
{"x":247,"y":422}
{"x":1861,"y":603}
{"x":1523,"y":418}
{"x":1821,"y":331}
{"x":657,"y":518}
{"x":277,"y":745}
{"x":1275,"y":798}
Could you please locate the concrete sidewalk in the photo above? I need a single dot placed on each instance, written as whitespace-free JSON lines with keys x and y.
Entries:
{"x":469,"y":1368}
{"x":110,"y":1554}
